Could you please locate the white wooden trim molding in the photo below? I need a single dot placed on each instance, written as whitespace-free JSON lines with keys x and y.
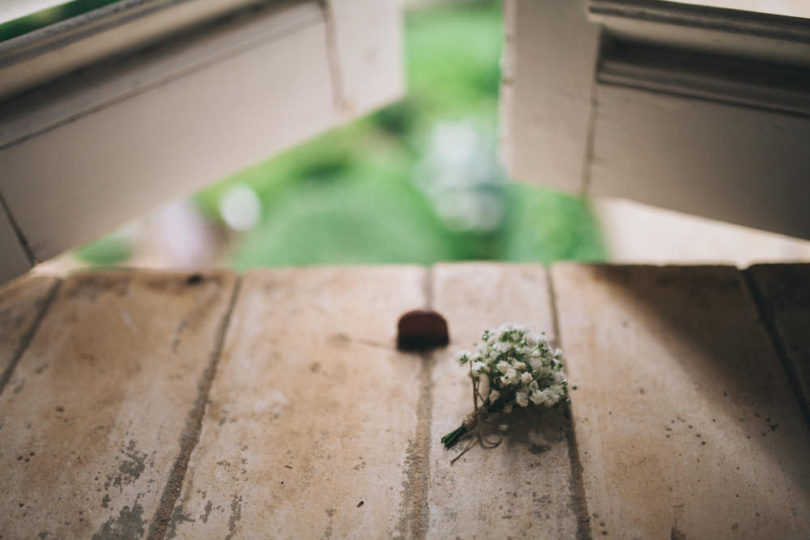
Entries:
{"x":710,"y":77}
{"x":367,"y":47}
{"x":93,"y":148}
{"x":742,"y":165}
{"x":50,"y":52}
{"x":547,"y":90}
{"x":49,"y":106}
{"x":695,"y":108}
{"x":705,"y":29}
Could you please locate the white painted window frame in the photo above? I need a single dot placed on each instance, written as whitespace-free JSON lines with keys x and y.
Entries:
{"x":690,"y":107}
{"x":106,"y":115}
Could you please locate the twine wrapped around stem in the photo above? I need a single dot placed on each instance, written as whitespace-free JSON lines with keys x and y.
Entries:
{"x":510,"y":367}
{"x":473,"y":424}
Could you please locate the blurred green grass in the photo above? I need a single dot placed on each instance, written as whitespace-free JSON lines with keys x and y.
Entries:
{"x":357,"y":193}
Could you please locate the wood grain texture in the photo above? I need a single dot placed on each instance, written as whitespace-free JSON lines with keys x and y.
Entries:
{"x":747,"y":166}
{"x":92,"y":418}
{"x":551,"y":52}
{"x":523,"y":488}
{"x":685,"y":421}
{"x":313,"y":413}
{"x":783,"y":292}
{"x":21,"y":306}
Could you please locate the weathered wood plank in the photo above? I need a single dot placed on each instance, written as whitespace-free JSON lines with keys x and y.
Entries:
{"x":313,"y":412}
{"x":524,"y":487}
{"x":685,"y":422}
{"x":21,"y":306}
{"x":92,"y":417}
{"x":783,"y":292}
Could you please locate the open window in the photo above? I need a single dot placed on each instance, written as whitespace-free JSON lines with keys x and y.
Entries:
{"x":96,"y":111}
{"x":689,"y":106}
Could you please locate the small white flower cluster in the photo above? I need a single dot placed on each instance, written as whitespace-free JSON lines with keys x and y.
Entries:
{"x":515,"y":366}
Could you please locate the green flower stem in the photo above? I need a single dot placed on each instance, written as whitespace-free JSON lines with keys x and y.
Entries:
{"x":454,"y":436}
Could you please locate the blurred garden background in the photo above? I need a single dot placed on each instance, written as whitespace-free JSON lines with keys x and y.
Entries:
{"x":416,"y":182}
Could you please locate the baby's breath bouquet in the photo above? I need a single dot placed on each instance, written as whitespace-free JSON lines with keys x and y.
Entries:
{"x":510,"y":366}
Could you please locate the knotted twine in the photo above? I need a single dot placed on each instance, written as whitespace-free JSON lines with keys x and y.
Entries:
{"x":474,"y":422}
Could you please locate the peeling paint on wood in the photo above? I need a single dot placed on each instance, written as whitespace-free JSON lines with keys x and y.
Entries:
{"x":118,"y":420}
{"x":90,"y":437}
{"x":312,"y":409}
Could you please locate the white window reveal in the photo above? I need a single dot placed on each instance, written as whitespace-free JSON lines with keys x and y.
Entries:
{"x":105,"y":115}
{"x":689,"y":106}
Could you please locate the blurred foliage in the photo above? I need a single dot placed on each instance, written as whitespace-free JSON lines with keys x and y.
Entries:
{"x":453,"y":55}
{"x":546,"y":226}
{"x":363,"y":192}
{"x":49,"y":16}
{"x":108,"y":251}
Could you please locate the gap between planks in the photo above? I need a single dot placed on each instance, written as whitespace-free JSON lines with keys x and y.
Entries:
{"x":414,"y":517}
{"x":28,"y":336}
{"x":191,"y":432}
{"x":418,"y":471}
{"x":577,"y":485}
{"x":768,"y":318}
{"x":21,"y":238}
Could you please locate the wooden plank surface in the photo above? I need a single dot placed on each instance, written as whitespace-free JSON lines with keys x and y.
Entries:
{"x":315,"y":425}
{"x":686,"y":424}
{"x":783,"y":292}
{"x":313,"y":413}
{"x":93,"y":416}
{"x":524,"y":487}
{"x":21,"y":307}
